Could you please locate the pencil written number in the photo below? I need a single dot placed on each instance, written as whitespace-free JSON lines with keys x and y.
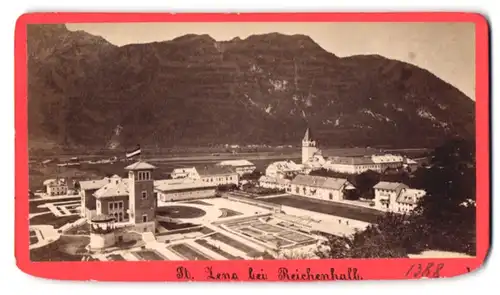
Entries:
{"x":430,"y":270}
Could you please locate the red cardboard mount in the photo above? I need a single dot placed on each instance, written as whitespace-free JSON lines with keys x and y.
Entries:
{"x":254,"y":270}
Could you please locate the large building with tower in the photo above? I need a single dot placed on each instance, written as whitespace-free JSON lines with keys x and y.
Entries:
{"x":129,"y":201}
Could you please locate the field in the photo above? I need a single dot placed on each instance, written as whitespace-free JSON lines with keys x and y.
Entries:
{"x":51,"y":219}
{"x":115,"y":257}
{"x":217,"y":250}
{"x":180,"y":212}
{"x":148,"y":255}
{"x":270,"y":234}
{"x":233,"y":243}
{"x":331,"y":208}
{"x":189,"y":252}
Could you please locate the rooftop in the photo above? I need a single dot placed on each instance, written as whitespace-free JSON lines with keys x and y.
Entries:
{"x":180,"y":184}
{"x":285,"y":166}
{"x":390,"y":185}
{"x":351,"y":160}
{"x":236,"y":163}
{"x":214,"y":170}
{"x":410,"y":196}
{"x":94,"y":184}
{"x":308,"y":135}
{"x":320,"y":181}
{"x":140,"y":165}
{"x":115,"y":188}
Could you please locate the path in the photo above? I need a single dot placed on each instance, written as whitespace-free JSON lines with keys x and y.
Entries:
{"x":45,"y":234}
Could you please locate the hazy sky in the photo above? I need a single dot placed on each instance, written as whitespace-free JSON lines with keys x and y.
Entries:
{"x":445,"y":49}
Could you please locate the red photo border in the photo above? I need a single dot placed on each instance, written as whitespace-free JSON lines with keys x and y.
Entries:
{"x":167,"y":270}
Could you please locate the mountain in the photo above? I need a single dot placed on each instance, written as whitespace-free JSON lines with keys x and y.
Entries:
{"x":193,"y":90}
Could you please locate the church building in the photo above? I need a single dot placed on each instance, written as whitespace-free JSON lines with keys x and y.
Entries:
{"x":309,"y":148}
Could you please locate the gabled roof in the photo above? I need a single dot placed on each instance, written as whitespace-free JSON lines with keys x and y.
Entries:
{"x":285,"y":166}
{"x":140,"y":165}
{"x":49,"y":181}
{"x":94,"y":184}
{"x":410,"y":196}
{"x":115,"y":188}
{"x":390,"y":185}
{"x":55,"y":182}
{"x":320,"y":181}
{"x":214,"y":170}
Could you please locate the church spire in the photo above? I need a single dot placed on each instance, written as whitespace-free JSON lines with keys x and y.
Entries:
{"x":308,"y":135}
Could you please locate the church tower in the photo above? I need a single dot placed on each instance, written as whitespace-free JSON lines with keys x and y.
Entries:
{"x":142,"y":199}
{"x":308,"y":146}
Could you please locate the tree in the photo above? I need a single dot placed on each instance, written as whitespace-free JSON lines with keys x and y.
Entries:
{"x":390,"y":237}
{"x":364,"y":183}
{"x":450,"y":185}
{"x":444,"y":219}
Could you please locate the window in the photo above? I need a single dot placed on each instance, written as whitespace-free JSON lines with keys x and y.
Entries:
{"x":331,"y":196}
{"x":145,"y":218}
{"x":144,"y":195}
{"x":120,"y":205}
{"x":143,"y":175}
{"x":110,"y":206}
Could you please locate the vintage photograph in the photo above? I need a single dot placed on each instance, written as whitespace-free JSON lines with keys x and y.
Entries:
{"x":246,"y":141}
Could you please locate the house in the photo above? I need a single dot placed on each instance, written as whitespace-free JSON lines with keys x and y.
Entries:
{"x":408,"y":200}
{"x":56,"y":187}
{"x":113,"y":199}
{"x":184,"y":173}
{"x":396,"y":197}
{"x":318,"y":187}
{"x":274,"y":183}
{"x":217,"y":175}
{"x":351,"y":165}
{"x":128,"y":200}
{"x":388,"y":161}
{"x":171,"y":190}
{"x":283,"y":169}
{"x":241,"y":167}
{"x":316,"y":162}
{"x":87,"y":190}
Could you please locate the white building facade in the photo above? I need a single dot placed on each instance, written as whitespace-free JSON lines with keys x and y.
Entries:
{"x":318,"y":187}
{"x":241,"y":167}
{"x":171,"y":190}
{"x":275,"y":183}
{"x":283,"y":169}
{"x":396,"y":197}
{"x":56,"y":187}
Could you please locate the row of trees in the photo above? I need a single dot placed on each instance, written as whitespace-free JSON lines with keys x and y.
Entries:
{"x":445,"y":219}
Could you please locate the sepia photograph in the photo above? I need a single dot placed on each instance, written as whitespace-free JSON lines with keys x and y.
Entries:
{"x":181,"y":141}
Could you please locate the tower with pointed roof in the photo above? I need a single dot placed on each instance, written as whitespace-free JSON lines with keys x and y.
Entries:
{"x":308,"y":146}
{"x":142,"y":199}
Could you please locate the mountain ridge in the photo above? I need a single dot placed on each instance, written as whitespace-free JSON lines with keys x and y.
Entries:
{"x":82,"y":89}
